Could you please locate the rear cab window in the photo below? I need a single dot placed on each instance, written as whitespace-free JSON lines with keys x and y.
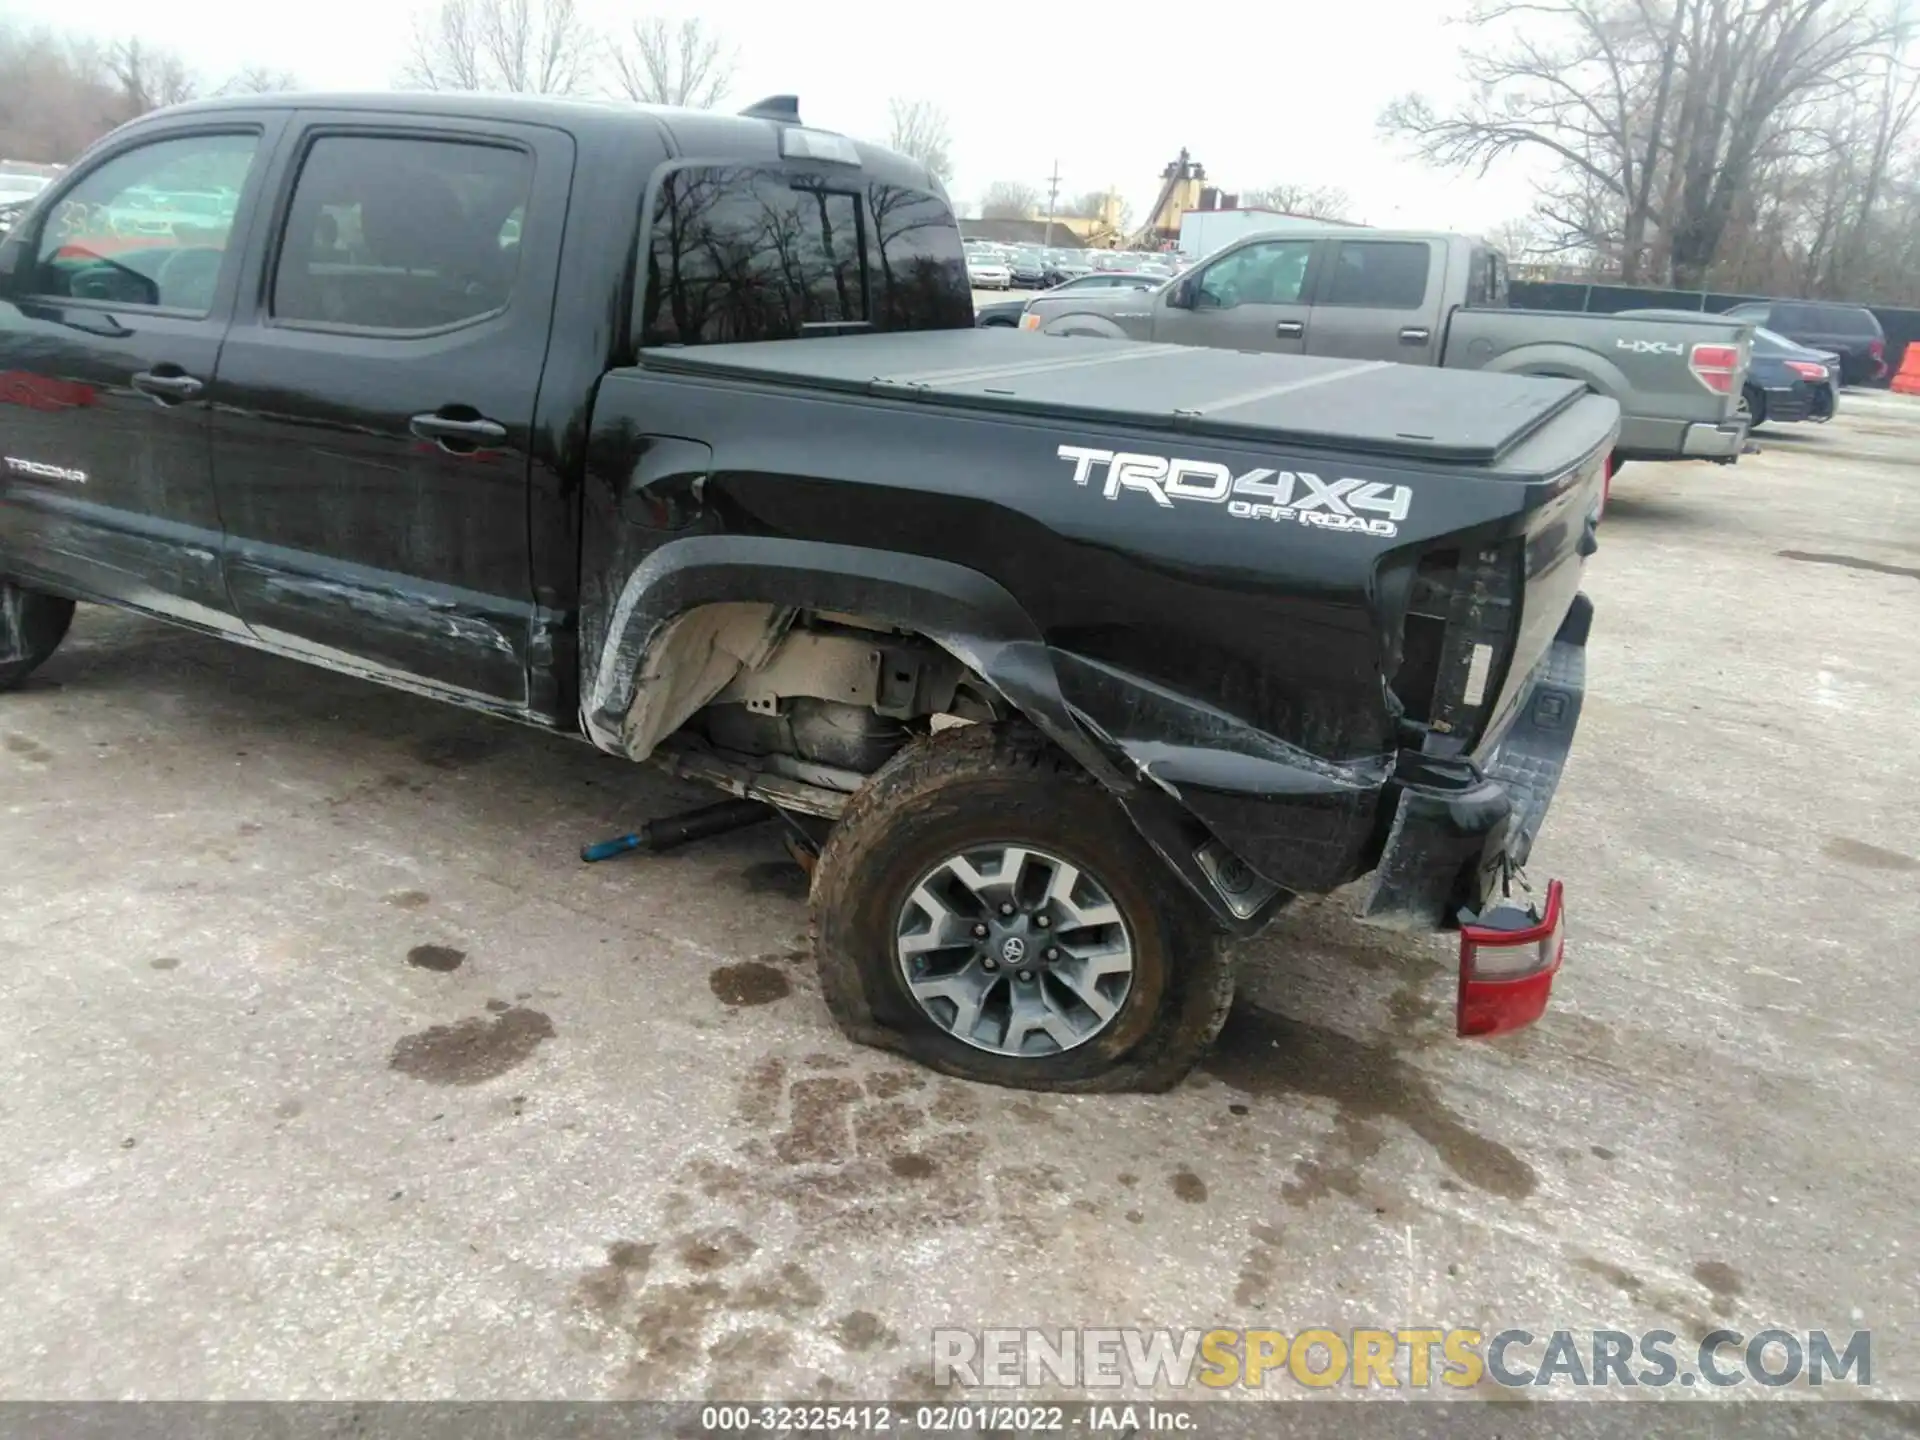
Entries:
{"x":763,"y":252}
{"x":1486,"y":279}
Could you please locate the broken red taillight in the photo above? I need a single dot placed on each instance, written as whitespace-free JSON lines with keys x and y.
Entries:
{"x":1807,"y":369}
{"x":1715,"y":366}
{"x":1508,"y":958}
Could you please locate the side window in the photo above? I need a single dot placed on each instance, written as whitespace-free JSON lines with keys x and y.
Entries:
{"x":1379,"y":274}
{"x":1843,"y":320}
{"x":148,"y":227}
{"x":922,"y":272}
{"x":1269,"y":273}
{"x":402,"y":233}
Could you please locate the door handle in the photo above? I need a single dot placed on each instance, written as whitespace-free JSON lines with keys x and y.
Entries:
{"x":168,"y":389}
{"x":448,"y":430}
{"x":1289,"y":330}
{"x":1415,"y":335}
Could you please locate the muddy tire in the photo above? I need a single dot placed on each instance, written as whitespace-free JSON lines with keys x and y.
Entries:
{"x":985,"y":908}
{"x":32,"y":626}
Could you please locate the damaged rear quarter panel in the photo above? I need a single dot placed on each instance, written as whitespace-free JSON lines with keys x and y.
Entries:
{"x":1217,"y":654}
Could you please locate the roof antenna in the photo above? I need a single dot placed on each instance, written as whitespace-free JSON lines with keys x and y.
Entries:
{"x":784,"y":108}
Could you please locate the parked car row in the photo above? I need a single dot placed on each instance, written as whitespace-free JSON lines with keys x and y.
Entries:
{"x":992,"y":266}
{"x":16,"y":191}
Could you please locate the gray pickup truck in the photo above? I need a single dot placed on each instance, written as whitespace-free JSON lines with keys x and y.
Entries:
{"x":1434,"y":299}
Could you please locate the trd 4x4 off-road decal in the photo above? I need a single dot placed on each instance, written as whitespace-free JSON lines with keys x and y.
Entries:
{"x":1298,"y":496}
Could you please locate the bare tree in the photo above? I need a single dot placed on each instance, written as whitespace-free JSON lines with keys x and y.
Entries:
{"x":537,"y":47}
{"x":1009,"y":200}
{"x":148,"y":78}
{"x":1657,"y":116}
{"x":60,"y":93}
{"x":1880,"y":126}
{"x":260,"y":80}
{"x":684,"y":64}
{"x":1317,"y":202}
{"x":1523,"y":241}
{"x":56,"y":96}
{"x":918,"y":129}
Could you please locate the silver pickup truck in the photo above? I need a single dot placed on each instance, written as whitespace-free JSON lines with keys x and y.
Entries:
{"x":1434,"y":299}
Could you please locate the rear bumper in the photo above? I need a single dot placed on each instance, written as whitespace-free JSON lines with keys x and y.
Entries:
{"x":1459,"y":828}
{"x":1804,"y":401}
{"x":1645,"y":438}
{"x":1724,"y":441}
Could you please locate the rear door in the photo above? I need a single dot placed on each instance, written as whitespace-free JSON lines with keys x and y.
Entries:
{"x":1254,"y":297}
{"x":117,"y":302}
{"x":1376,"y":300}
{"x":376,"y":398}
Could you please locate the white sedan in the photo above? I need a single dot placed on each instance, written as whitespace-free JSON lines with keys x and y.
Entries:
{"x":985,"y":274}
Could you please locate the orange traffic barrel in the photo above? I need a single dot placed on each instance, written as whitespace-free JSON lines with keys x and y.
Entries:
{"x":1907,"y":382}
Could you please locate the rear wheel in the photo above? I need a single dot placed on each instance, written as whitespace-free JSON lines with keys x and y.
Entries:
{"x":986,"y":908}
{"x":32,"y":625}
{"x":1753,"y":406}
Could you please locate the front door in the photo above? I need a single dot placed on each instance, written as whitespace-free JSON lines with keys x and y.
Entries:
{"x":1251,"y":298}
{"x":117,"y":301}
{"x":376,"y":400}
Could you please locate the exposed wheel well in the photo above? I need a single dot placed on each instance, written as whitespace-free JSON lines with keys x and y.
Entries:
{"x":819,"y":698}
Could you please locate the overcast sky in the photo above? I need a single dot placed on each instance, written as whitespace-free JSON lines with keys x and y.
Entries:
{"x":1259,"y":92}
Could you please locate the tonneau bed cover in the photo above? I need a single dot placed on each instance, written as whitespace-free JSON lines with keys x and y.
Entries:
{"x":1372,"y":406}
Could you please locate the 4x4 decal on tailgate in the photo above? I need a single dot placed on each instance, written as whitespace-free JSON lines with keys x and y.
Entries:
{"x":1298,"y":496}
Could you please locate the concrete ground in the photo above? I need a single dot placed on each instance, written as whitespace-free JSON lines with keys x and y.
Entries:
{"x":326,"y":1069}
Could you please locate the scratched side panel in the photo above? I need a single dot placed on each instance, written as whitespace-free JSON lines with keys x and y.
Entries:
{"x":106,"y":494}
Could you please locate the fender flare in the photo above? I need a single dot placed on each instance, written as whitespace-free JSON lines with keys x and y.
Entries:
{"x":1083,"y":323}
{"x":968,"y":614}
{"x":1570,"y":362}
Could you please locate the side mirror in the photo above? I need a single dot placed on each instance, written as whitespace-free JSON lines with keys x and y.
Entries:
{"x":1181,"y":296}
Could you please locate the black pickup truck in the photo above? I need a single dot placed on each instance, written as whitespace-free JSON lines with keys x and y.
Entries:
{"x":1061,"y":665}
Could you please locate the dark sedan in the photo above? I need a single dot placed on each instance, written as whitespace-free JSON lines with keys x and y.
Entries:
{"x":1029,"y":269}
{"x":1786,"y":381}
